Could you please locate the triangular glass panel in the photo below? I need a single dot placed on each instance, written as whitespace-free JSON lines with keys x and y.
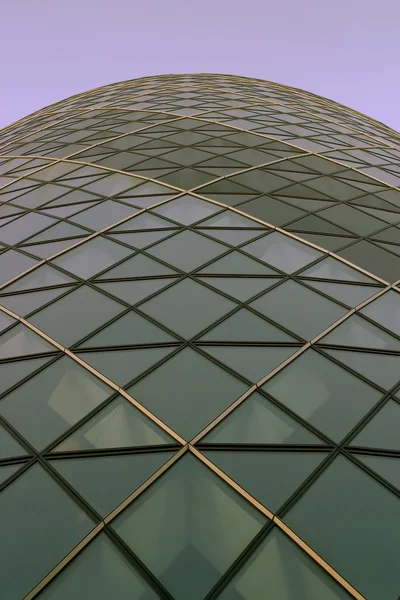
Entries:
{"x":13,"y":372}
{"x":143,"y":221}
{"x":386,"y":466}
{"x":261,"y":181}
{"x":52,"y":401}
{"x":280,"y":566}
{"x":187,"y":250}
{"x":117,"y":425}
{"x":382,"y":431}
{"x":9,"y":447}
{"x":330,"y":268}
{"x":44,"y":276}
{"x":106,"y":481}
{"x":138,"y":266}
{"x":133,"y":292}
{"x":236,"y":263}
{"x":197,"y":524}
{"x":282,"y":252}
{"x":187,"y":405}
{"x":22,"y":341}
{"x":8,"y":470}
{"x":91,"y":257}
{"x":141,"y":239}
{"x":187,"y":209}
{"x":121,"y":366}
{"x":5,"y":321}
{"x":240,"y":288}
{"x":100,"y":572}
{"x":382,"y":369}
{"x":234,"y":237}
{"x":327,"y":242}
{"x":270,"y":477}
{"x":187,"y":307}
{"x":228,"y":218}
{"x":129,"y":330}
{"x":245,"y":326}
{"x":50,"y":249}
{"x":357,"y":331}
{"x":385,"y":310}
{"x":298,"y":309}
{"x":322,"y":393}
{"x":352,"y":295}
{"x":258,"y":421}
{"x":254,"y":363}
{"x":24,"y":304}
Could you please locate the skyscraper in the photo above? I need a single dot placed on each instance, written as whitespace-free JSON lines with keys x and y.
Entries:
{"x":199,"y":346}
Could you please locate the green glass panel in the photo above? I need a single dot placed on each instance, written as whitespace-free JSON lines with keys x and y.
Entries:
{"x":141,"y":239}
{"x":7,"y":471}
{"x":330,"y":268}
{"x":144,"y":221}
{"x":271,"y":210}
{"x":231,"y":219}
{"x":92,"y":256}
{"x":245,"y":326}
{"x":187,"y":209}
{"x":240,"y":288}
{"x":138,"y":266}
{"x":103,"y":215}
{"x":5,"y":321}
{"x":23,"y":227}
{"x":357,"y":331}
{"x":187,"y":250}
{"x":323,"y":394}
{"x":22,"y":341}
{"x":383,"y":429}
{"x":41,"y":535}
{"x":282,"y":252}
{"x":343,"y":531}
{"x":258,"y":421}
{"x":254,"y":363}
{"x":385,"y":310}
{"x":121,"y":366}
{"x":352,"y":219}
{"x":270,"y":477}
{"x":129,"y":330}
{"x":117,"y":425}
{"x":382,"y":369}
{"x":75,"y":315}
{"x":52,"y":401}
{"x":9,"y":446}
{"x":386,"y":466}
{"x":374,"y":259}
{"x":259,"y":180}
{"x":59,"y":231}
{"x":187,"y":404}
{"x":50,"y":249}
{"x":327,"y":242}
{"x":352,"y":295}
{"x":13,"y":263}
{"x":280,"y":567}
{"x":133,"y":292}
{"x":236,"y":263}
{"x":106,"y":481}
{"x":44,"y":276}
{"x":187,"y":307}
{"x":100,"y":572}
{"x":234,"y":237}
{"x":24,"y":304}
{"x":188,"y":528}
{"x":12,"y":372}
{"x":299,"y":309}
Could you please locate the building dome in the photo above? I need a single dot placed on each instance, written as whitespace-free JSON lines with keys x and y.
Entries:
{"x":199,"y":346}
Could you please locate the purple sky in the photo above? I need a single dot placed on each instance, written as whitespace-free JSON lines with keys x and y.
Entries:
{"x":346,"y":50}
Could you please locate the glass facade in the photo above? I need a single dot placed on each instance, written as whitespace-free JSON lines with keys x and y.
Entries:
{"x":199,"y":346}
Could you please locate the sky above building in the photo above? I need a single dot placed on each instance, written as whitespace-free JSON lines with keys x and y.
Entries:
{"x":346,"y":50}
